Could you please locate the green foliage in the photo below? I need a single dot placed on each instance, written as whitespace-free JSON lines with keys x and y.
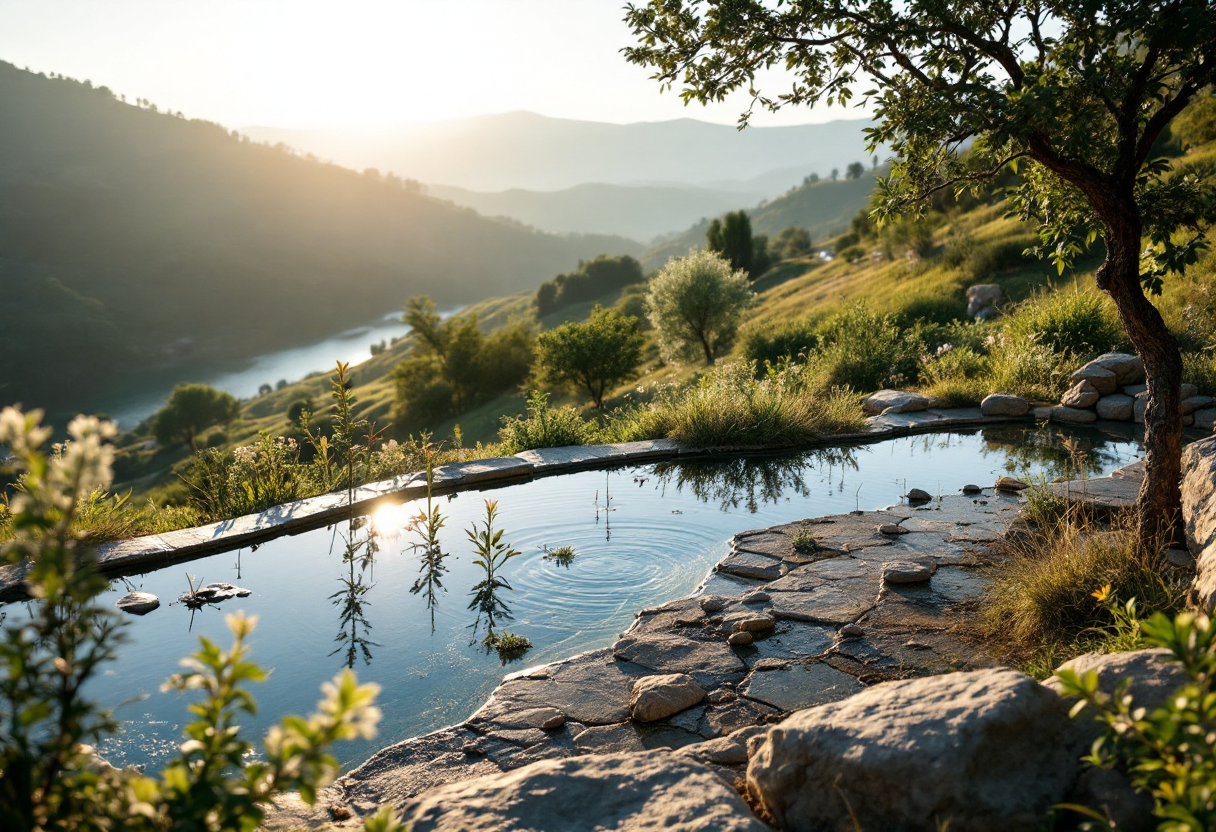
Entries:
{"x":803,"y":540}
{"x":49,"y":777}
{"x":696,"y":303}
{"x":561,"y":556}
{"x":298,"y":408}
{"x":1197,"y":123}
{"x":790,"y":242}
{"x":956,"y":375}
{"x":453,"y":366}
{"x":864,"y":349}
{"x":774,"y":344}
{"x":593,"y":279}
{"x":1200,"y":369}
{"x":731,"y":237}
{"x":544,"y":427}
{"x":730,"y":407}
{"x":596,"y":355}
{"x":1079,"y":323}
{"x":1170,"y":752}
{"x":424,"y":528}
{"x":491,"y":555}
{"x":855,"y":170}
{"x":190,"y":408}
{"x":245,"y":480}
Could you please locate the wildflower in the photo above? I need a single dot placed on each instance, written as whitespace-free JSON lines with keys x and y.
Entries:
{"x":943,"y":349}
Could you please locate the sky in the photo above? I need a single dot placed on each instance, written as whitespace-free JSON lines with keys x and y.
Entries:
{"x":360,"y":64}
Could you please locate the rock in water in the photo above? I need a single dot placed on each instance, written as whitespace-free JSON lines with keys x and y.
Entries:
{"x":979,"y":749}
{"x":1010,"y":485}
{"x":999,"y":404}
{"x":972,"y":490}
{"x":138,"y":603}
{"x":213,"y":594}
{"x":919,"y":495}
{"x":622,"y":792}
{"x":657,"y":697}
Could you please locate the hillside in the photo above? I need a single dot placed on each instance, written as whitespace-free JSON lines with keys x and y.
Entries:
{"x":135,"y":242}
{"x":641,"y":212}
{"x":824,"y":208}
{"x":530,"y":151}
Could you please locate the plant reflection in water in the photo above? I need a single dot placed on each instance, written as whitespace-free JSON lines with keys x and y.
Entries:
{"x":358,"y":556}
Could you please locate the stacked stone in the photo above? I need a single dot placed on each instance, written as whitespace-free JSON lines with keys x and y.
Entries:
{"x":1112,"y":387}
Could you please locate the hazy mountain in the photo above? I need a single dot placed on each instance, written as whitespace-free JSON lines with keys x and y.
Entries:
{"x":533,"y":152}
{"x":641,"y":212}
{"x":133,"y":241}
{"x":824,"y":208}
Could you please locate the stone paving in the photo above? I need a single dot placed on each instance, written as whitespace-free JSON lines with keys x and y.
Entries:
{"x":824,"y":624}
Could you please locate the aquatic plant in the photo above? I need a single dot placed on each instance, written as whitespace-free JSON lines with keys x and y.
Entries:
{"x":358,"y":555}
{"x":491,"y":555}
{"x":425,"y":527}
{"x":561,"y":556}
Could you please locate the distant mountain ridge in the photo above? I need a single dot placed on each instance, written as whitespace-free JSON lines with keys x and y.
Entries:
{"x":133,"y":241}
{"x":533,"y":152}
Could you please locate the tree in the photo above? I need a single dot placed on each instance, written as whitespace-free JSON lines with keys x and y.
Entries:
{"x":791,"y":242}
{"x":1073,"y":97}
{"x":192,"y":407}
{"x":695,"y":303}
{"x":595,"y":355}
{"x":731,"y":237}
{"x":855,"y":170}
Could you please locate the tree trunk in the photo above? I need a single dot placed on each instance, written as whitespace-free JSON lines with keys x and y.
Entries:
{"x":709,"y":354}
{"x":1160,"y":500}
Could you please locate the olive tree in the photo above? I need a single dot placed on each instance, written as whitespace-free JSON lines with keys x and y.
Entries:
{"x":595,"y":355}
{"x":1071,"y":96}
{"x":192,"y":407}
{"x":695,"y":304}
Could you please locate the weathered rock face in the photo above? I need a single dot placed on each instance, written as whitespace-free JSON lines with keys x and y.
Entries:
{"x":657,"y":697}
{"x":893,"y":401}
{"x":623,"y":792}
{"x":964,"y":747}
{"x":1072,"y":415}
{"x":1103,"y":380}
{"x":1128,"y":369}
{"x":999,"y":404}
{"x":1205,"y":418}
{"x":1199,"y":514}
{"x":1193,"y":403}
{"x":907,"y":572}
{"x":981,"y":297}
{"x":1116,"y":407}
{"x":1081,"y":394}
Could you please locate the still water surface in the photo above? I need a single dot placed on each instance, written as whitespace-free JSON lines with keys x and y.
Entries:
{"x":644,"y":535}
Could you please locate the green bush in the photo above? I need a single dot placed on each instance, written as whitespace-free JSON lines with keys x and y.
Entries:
{"x":957,"y":375}
{"x":50,"y":777}
{"x":772,"y":345}
{"x":545,"y":427}
{"x":1080,"y":323}
{"x":298,"y":408}
{"x":864,"y":350}
{"x":940,"y":309}
{"x":1028,"y":369}
{"x":1199,"y":368}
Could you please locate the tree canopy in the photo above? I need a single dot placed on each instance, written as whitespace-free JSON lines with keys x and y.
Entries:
{"x":595,"y":355}
{"x":1073,"y":97}
{"x":190,"y":409}
{"x":696,"y":303}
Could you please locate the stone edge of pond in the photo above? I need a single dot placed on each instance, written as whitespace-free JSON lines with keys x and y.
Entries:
{"x":167,"y":548}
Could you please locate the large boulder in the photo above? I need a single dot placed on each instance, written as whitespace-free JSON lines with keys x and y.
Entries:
{"x":621,"y":792}
{"x":658,"y":697}
{"x":1205,"y":419}
{"x":893,"y":401}
{"x":1116,"y":407}
{"x":981,"y":297}
{"x":1071,"y":415}
{"x":1081,"y":394}
{"x":1104,"y":381}
{"x":1194,"y":403}
{"x":1128,"y":368}
{"x":1000,"y":404}
{"x":977,"y":750}
{"x":1199,"y":514}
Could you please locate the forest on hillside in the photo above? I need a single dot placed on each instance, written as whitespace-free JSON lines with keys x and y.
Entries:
{"x":132,"y":239}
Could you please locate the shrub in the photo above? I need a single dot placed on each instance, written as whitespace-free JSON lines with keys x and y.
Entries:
{"x":941,"y":309}
{"x":246,"y":480}
{"x":190,"y":409}
{"x":772,"y":345}
{"x":593,"y":279}
{"x":49,"y":776}
{"x":865,"y":350}
{"x":1028,"y":369}
{"x":1080,"y":323}
{"x":298,"y":408}
{"x":595,"y":355}
{"x":1199,"y":368}
{"x":544,"y":427}
{"x":957,"y":375}
{"x":790,"y":242}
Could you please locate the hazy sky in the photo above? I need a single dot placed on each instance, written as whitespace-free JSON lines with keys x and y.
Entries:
{"x":357,"y":63}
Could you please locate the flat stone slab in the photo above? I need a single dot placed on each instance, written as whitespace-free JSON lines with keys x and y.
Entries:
{"x":799,"y":686}
{"x":579,"y":456}
{"x":751,"y":565}
{"x":1113,"y":493}
{"x":795,"y":640}
{"x":675,"y":654}
{"x":481,"y":470}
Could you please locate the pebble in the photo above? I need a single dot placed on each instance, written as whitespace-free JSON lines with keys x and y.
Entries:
{"x":721,"y":696}
{"x":972,"y":490}
{"x":852,"y":631}
{"x":1010,"y":484}
{"x":891,"y":528}
{"x":757,"y":597}
{"x":743,"y":638}
{"x":755,"y":624}
{"x":919,"y":495}
{"x":713,"y":603}
{"x":472,"y":749}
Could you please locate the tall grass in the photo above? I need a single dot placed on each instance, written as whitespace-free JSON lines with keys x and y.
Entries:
{"x":730,"y":407}
{"x":545,"y":427}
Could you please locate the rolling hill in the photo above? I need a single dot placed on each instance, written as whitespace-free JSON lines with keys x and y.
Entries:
{"x":133,"y":241}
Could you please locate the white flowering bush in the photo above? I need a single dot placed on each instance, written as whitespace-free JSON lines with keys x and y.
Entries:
{"x":50,"y":778}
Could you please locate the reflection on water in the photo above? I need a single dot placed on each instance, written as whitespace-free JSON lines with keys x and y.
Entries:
{"x":643,"y":535}
{"x":752,"y":481}
{"x":358,"y":556}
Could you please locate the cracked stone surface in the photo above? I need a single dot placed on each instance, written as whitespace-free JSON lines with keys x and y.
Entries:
{"x":799,"y":686}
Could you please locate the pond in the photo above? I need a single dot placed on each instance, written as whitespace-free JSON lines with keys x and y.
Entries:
{"x":643,"y":535}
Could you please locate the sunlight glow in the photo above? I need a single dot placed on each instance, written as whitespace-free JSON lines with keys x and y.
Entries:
{"x":388,"y":521}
